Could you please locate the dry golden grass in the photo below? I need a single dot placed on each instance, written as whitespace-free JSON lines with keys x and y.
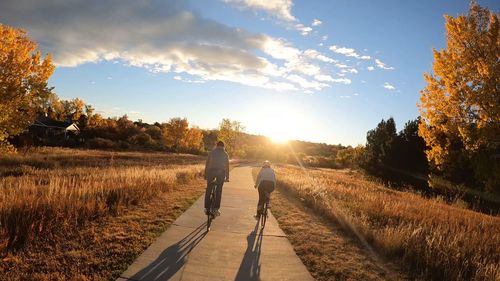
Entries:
{"x":104,"y":248}
{"x":53,"y":158}
{"x":434,"y":240}
{"x":323,"y":246}
{"x":52,"y":190}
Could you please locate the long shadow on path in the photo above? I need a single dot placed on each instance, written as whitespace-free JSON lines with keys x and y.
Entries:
{"x":173,"y":258}
{"x":250,"y":265}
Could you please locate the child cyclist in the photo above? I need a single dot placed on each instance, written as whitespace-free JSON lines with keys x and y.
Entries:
{"x":265,"y":183}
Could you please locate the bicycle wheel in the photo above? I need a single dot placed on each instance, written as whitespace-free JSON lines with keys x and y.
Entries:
{"x":210,"y":215}
{"x":209,"y":219}
{"x":263,"y":216}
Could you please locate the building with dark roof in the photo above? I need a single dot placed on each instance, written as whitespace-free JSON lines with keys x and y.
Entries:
{"x":49,"y":131}
{"x":56,"y":126}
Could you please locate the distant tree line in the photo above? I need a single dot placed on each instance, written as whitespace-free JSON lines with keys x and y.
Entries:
{"x":97,"y":131}
{"x":176,"y":135}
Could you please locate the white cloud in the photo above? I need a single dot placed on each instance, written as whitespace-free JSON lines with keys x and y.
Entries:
{"x":296,"y":61}
{"x":316,"y":22}
{"x":350,"y":70}
{"x":179,"y":78}
{"x":280,"y":49}
{"x":344,"y":51}
{"x":306,"y":84}
{"x":324,"y":37}
{"x":383,"y":65}
{"x":342,"y":81}
{"x":301,"y":66}
{"x":389,"y":86}
{"x":355,"y":94}
{"x":324,"y":77}
{"x":328,"y":78}
{"x":370,"y":68}
{"x":313,"y":54}
{"x":304,"y":30}
{"x":281,"y":9}
{"x":349,"y":52}
{"x":165,"y":36}
{"x":340,"y":65}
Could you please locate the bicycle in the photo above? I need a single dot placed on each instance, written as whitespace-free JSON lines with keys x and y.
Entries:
{"x":211,"y":209}
{"x":264,"y":214}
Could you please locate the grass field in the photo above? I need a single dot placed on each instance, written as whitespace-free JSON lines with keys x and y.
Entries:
{"x":433,"y":240}
{"x":323,"y":246}
{"x":51,"y":198}
{"x":86,"y":215}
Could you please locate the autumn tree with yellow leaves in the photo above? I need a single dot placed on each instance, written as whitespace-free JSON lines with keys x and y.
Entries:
{"x":460,"y":106}
{"x":175,"y":132}
{"x":179,"y":137}
{"x":23,"y":82}
{"x":230,"y":134}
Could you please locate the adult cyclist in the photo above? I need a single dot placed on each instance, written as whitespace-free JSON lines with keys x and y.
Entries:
{"x":216,"y":169}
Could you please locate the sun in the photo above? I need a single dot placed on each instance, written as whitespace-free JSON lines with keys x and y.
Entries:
{"x":278,"y":137}
{"x":282,"y":122}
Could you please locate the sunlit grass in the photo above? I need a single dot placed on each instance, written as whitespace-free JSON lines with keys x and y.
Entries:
{"x":51,"y":189}
{"x":433,"y":239}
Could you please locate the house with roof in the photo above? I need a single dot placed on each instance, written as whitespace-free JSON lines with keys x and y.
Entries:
{"x":49,"y":131}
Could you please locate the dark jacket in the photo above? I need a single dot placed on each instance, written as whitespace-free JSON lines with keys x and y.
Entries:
{"x":218,"y":160}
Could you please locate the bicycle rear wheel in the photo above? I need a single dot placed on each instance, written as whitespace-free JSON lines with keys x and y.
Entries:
{"x":210,"y":213}
{"x":209,"y":220}
{"x":263,"y":216}
{"x":265,"y":209}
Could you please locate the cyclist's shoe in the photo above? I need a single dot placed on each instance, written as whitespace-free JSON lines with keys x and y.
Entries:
{"x":216,"y":213}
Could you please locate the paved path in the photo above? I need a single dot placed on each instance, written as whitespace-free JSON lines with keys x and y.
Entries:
{"x":234,"y":249}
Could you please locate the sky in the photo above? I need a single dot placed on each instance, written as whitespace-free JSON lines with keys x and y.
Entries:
{"x":322,"y":71}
